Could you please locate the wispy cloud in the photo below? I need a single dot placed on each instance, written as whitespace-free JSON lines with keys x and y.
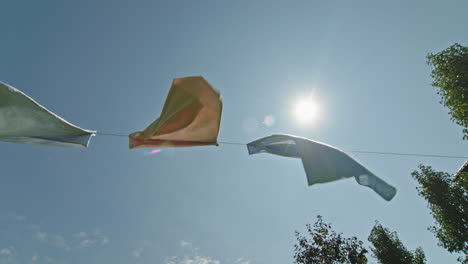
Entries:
{"x":192,"y":256}
{"x":35,"y":244}
{"x":184,"y":243}
{"x":78,"y":240}
{"x":136,"y":253}
{"x":80,"y":235}
{"x":7,"y":255}
{"x":19,"y":218}
{"x":89,"y":240}
{"x":191,"y":260}
{"x":50,"y":260}
{"x":53,"y":240}
{"x":242,"y":261}
{"x":9,"y":252}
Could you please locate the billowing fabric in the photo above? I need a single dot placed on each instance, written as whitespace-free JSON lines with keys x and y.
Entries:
{"x":322,"y":163}
{"x":22,"y":120}
{"x":190,"y":117}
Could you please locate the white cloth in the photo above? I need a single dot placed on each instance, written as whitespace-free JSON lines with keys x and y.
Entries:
{"x":22,"y":120}
{"x":322,"y":163}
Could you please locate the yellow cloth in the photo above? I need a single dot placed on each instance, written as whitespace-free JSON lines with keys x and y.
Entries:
{"x":190,"y":117}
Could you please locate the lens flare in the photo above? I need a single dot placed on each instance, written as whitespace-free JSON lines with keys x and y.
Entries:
{"x":154,"y":151}
{"x":269,"y":120}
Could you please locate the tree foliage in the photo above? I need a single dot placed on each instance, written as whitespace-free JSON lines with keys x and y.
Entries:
{"x":327,"y":247}
{"x":388,"y":248}
{"x":450,"y":74}
{"x":448,"y":202}
{"x":418,"y":256}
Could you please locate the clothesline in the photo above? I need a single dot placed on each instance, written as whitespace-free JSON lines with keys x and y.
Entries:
{"x":355,"y":151}
{"x":406,"y":154}
{"x":110,"y":134}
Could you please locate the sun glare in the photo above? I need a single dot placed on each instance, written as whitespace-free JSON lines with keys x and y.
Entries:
{"x":305,"y":110}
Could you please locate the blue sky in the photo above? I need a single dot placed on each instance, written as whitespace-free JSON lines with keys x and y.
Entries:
{"x":107,"y":66}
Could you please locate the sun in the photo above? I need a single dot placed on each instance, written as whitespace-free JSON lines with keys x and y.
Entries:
{"x":305,"y":110}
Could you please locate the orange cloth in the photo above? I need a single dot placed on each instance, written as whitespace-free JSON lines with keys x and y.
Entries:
{"x":191,"y":116}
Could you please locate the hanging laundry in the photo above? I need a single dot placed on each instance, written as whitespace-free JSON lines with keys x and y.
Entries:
{"x":22,"y":120}
{"x":191,"y":116}
{"x":322,"y":163}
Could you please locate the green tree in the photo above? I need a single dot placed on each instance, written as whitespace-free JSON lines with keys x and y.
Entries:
{"x":388,"y":248}
{"x":450,"y":74}
{"x":448,"y":202}
{"x":419,"y":257}
{"x":327,"y":247}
